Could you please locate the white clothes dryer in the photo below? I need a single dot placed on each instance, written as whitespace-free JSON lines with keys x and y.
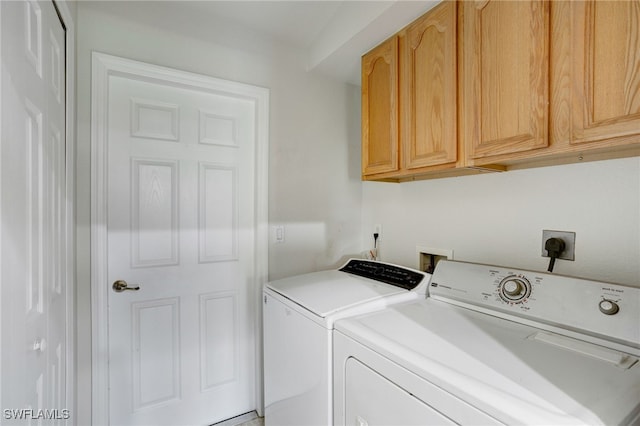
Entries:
{"x":493,"y":345}
{"x":298,"y":317}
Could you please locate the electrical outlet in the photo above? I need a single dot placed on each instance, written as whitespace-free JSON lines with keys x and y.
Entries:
{"x":569,"y":239}
{"x":377,"y":229}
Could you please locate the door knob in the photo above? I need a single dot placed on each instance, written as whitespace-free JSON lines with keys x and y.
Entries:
{"x":39,"y":345}
{"x":121,"y":285}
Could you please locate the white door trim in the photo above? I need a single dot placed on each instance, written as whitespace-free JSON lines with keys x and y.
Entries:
{"x":70,"y":146}
{"x":0,"y":203}
{"x":104,"y":66}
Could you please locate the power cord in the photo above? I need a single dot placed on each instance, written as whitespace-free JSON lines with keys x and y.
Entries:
{"x":554,"y":248}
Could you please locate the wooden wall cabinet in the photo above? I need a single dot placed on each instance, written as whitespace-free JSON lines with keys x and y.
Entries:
{"x":606,"y":80}
{"x":495,"y":85}
{"x":565,"y":89}
{"x":425,"y":94}
{"x":504,"y":77}
{"x":428,"y":90}
{"x":380,"y":135}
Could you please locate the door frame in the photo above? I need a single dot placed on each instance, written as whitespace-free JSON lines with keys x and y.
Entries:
{"x":104,"y":66}
{"x":70,"y":195}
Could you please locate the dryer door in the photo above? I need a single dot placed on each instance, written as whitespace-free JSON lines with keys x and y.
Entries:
{"x":373,"y":400}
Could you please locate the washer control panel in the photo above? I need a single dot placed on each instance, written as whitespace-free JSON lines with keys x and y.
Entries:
{"x":599,"y":308}
{"x":384,"y":272}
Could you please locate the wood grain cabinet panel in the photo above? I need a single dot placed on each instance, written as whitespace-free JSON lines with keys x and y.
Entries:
{"x":606,"y":90}
{"x":380,"y":109}
{"x":428,"y":89}
{"x":482,"y":85}
{"x":504,"y":77}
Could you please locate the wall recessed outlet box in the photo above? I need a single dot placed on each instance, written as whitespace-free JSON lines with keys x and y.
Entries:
{"x":425,"y":255}
{"x":569,"y":239}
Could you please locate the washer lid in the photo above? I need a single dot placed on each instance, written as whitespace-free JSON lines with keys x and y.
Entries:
{"x":328,"y":292}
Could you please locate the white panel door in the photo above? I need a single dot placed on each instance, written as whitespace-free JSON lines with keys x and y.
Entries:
{"x":33,"y":211}
{"x":181,"y":227}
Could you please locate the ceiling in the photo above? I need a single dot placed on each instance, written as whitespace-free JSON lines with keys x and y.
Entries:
{"x":296,"y":23}
{"x":331,"y":34}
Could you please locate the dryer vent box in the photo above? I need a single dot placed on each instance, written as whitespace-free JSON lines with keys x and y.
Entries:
{"x":425,"y":255}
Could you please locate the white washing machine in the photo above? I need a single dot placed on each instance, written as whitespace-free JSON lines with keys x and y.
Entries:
{"x":299,"y":313}
{"x":493,"y":345}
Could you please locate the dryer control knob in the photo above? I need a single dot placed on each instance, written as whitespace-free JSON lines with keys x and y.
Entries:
{"x":513,"y":287}
{"x":608,"y":307}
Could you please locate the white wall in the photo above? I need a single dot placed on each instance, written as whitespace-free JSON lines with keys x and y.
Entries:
{"x":314,"y":187}
{"x":498,"y":218}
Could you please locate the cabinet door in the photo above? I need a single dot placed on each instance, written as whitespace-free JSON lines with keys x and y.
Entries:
{"x":428,"y":94}
{"x":504,"y":76}
{"x":606,"y":98}
{"x":380,"y":109}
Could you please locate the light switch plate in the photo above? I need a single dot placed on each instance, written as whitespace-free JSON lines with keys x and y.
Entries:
{"x":278,"y":234}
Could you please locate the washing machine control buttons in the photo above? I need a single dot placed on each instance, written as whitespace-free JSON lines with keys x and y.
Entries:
{"x":389,"y":274}
{"x":514,"y":289}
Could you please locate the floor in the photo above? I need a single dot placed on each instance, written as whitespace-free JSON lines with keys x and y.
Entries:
{"x":248,"y":419}
{"x":258,"y":421}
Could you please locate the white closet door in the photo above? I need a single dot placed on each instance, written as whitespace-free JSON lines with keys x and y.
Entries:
{"x":33,"y":210}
